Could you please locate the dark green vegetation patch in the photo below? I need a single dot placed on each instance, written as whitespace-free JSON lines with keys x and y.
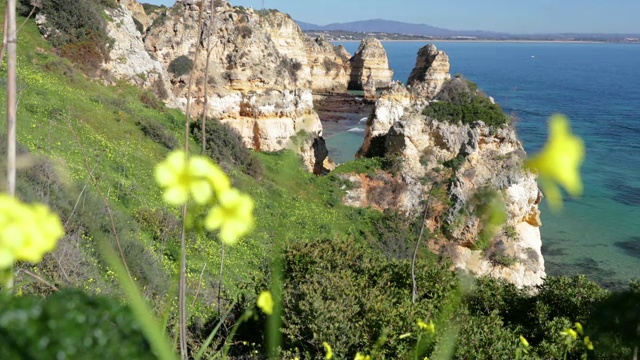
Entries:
{"x":460,"y":101}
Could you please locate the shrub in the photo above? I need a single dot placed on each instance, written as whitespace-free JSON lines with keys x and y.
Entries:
{"x":158,"y":133}
{"x":344,"y":293}
{"x":151,"y":8}
{"x":69,"y":324}
{"x":181,"y":65}
{"x":329,"y":65}
{"x":86,"y":54}
{"x":244,"y":31}
{"x":459,"y":101}
{"x":224,"y":145}
{"x":360,"y":166}
{"x":80,"y":23}
{"x":291,"y":67}
{"x":151,"y":101}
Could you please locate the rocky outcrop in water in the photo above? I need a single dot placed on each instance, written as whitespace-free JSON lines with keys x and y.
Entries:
{"x":370,"y":60}
{"x":430,"y":73}
{"x":459,"y":169}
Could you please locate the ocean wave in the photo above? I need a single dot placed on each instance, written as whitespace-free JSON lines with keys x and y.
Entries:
{"x":363,"y":120}
{"x":359,"y":130}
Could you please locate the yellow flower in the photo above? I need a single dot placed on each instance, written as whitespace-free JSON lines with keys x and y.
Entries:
{"x":588,"y":343}
{"x":405,"y":335}
{"x":327,"y":347}
{"x":233,"y":215}
{"x":362,"y":357}
{"x":524,"y":341}
{"x":265,"y":302}
{"x":27,"y":232}
{"x":569,"y":332}
{"x":579,"y":328}
{"x":430,"y":327}
{"x":559,"y":162}
{"x":196,"y":176}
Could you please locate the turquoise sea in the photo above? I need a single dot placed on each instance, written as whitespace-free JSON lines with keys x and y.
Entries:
{"x":598,"y":87}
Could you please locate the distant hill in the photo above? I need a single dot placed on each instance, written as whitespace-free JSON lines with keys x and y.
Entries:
{"x":396,"y":27}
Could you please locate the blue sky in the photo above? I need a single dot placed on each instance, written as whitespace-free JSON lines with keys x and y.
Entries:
{"x":515,"y":16}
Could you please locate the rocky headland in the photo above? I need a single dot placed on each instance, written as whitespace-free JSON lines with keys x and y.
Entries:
{"x":458,"y":169}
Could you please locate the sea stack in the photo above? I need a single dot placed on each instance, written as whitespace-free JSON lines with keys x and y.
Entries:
{"x":430,"y":73}
{"x":370,"y":60}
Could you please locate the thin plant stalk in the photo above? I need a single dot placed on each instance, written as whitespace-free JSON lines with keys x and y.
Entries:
{"x":182,"y":301}
{"x":12,"y":49}
{"x":221,"y":278}
{"x":206,"y":79}
{"x":182,"y":296}
{"x":10,"y":38}
{"x":414,"y":291}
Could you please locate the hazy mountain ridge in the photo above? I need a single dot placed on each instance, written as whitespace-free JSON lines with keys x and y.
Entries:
{"x":398,"y":27}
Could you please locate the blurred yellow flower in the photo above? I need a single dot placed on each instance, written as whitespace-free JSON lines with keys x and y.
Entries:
{"x":559,"y":162}
{"x":524,"y":341}
{"x":579,"y":328}
{"x":569,"y":332}
{"x":430,"y":327}
{"x":328,"y":350}
{"x":27,"y":232}
{"x":196,"y":176}
{"x":588,"y":343}
{"x":233,"y":215}
{"x":265,"y":302}
{"x":362,"y":357}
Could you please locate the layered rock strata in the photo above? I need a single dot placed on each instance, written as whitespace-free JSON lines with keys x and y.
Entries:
{"x":259,"y":68}
{"x":370,"y":60}
{"x":129,"y":60}
{"x":259,"y":79}
{"x":430,"y":73}
{"x":482,"y":163}
{"x":329,"y":66}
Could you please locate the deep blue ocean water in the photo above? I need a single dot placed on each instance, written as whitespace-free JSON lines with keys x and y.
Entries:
{"x":598,"y":87}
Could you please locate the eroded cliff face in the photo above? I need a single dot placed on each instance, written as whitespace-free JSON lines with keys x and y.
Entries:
{"x":370,"y":60}
{"x":129,"y":59}
{"x":256,"y":65}
{"x":329,"y":65}
{"x":260,"y":68}
{"x":458,"y":169}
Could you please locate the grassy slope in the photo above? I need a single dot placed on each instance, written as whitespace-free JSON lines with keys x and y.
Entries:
{"x":84,"y":126}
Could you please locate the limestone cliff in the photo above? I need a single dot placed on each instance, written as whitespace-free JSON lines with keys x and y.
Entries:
{"x":129,"y":60}
{"x":137,"y":12}
{"x":329,"y":65}
{"x":258,"y":74}
{"x":370,"y":60}
{"x":458,"y":169}
{"x":430,"y":73}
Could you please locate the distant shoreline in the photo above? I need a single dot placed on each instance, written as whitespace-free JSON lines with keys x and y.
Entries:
{"x":501,"y":41}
